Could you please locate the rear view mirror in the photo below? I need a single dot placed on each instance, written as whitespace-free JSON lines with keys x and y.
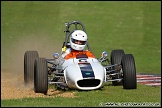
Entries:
{"x":104,"y":54}
{"x":56,"y":55}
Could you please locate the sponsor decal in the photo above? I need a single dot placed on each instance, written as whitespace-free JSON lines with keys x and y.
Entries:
{"x":86,"y":70}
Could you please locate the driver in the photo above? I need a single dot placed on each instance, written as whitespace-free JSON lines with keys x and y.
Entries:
{"x":78,"y":41}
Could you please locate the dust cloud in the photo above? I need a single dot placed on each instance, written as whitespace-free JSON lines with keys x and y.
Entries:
{"x":12,"y":70}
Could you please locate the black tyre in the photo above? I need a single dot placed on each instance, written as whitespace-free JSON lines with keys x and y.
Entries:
{"x":129,"y":72}
{"x":116,"y":57}
{"x":29,"y":58}
{"x":40,"y":75}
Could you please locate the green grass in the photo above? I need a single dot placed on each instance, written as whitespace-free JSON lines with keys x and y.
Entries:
{"x":134,"y":26}
{"x":93,"y":98}
{"x":131,"y":26}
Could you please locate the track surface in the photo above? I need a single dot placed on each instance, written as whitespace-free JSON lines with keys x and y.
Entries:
{"x":148,"y":79}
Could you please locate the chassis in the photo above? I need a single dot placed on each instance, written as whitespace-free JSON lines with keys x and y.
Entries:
{"x":120,"y":69}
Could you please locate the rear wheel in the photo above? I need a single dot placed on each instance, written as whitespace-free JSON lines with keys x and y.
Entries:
{"x":29,"y":58}
{"x":129,"y":72}
{"x":116,"y":57}
{"x":40,"y":76}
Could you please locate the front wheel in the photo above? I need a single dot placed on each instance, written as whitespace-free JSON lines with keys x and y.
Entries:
{"x":116,"y":57}
{"x":29,"y":58}
{"x":129,"y":72}
{"x":40,"y":76}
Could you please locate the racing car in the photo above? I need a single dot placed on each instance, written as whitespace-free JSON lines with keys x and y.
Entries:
{"x":80,"y":73}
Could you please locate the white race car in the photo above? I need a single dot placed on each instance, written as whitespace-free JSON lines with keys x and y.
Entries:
{"x":82,"y":72}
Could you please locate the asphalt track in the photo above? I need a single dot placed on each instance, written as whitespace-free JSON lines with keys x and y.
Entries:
{"x":149,"y":79}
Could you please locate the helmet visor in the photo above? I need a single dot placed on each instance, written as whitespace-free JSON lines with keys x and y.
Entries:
{"x":78,"y":42}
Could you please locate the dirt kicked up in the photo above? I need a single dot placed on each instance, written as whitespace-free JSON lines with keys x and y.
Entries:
{"x":12,"y":87}
{"x":12,"y":71}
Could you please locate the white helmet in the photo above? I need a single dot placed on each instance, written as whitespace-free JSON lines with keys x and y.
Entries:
{"x":78,"y":36}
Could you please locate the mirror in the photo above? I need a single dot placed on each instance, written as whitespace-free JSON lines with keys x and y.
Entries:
{"x":104,"y":54}
{"x":56,"y":55}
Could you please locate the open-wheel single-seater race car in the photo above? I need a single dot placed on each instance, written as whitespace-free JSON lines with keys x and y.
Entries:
{"x":82,"y":72}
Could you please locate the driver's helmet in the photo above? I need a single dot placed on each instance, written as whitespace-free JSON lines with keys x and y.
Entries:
{"x":78,"y":40}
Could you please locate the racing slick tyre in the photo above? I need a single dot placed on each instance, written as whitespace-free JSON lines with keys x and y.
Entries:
{"x":129,"y":72}
{"x":40,"y":75}
{"x":29,"y":58}
{"x":116,"y":57}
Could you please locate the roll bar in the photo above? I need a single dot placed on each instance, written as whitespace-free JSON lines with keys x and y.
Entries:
{"x":68,"y":32}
